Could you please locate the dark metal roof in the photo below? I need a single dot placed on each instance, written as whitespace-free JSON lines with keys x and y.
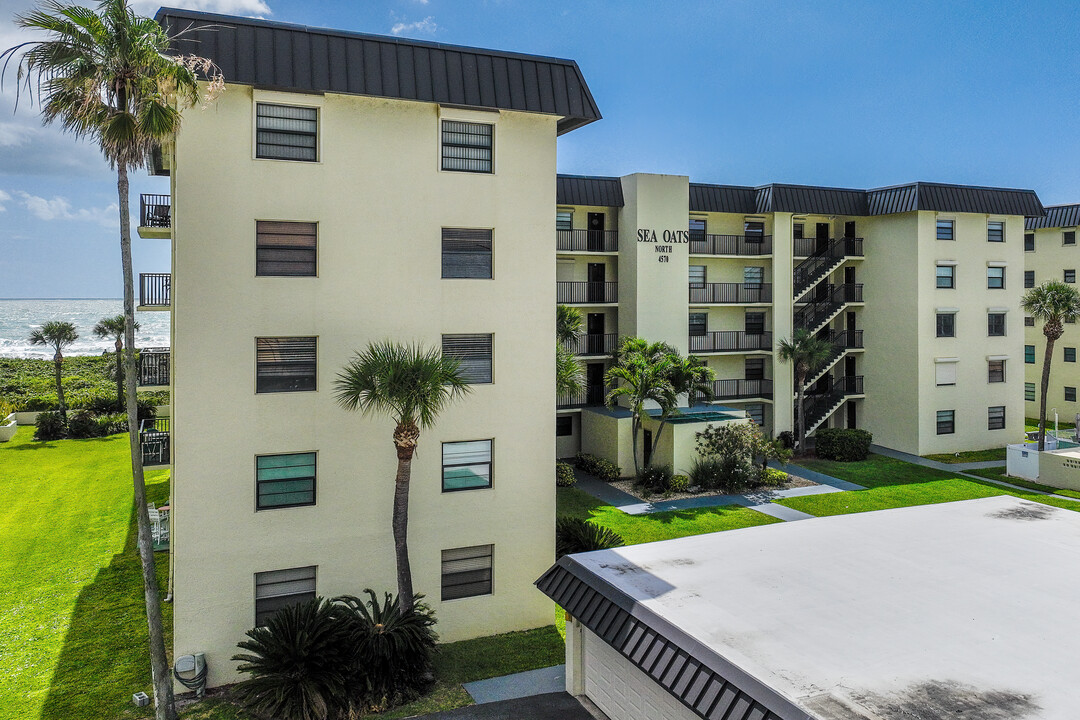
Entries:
{"x":810,"y":200}
{"x":940,"y":197}
{"x":697,"y":676}
{"x":1057,"y":216}
{"x":587,"y":190}
{"x":298,"y":58}
{"x":722,"y":198}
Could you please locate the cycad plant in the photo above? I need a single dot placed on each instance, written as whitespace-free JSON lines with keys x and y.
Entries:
{"x":1052,"y":304}
{"x":807,"y":353}
{"x":58,"y":335}
{"x":574,"y":535}
{"x":114,"y":327}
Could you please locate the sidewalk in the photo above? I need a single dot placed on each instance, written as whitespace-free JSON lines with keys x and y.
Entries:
{"x":947,"y":467}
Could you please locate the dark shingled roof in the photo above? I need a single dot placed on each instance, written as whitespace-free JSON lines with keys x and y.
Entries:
{"x":702,"y":680}
{"x":1057,"y":216}
{"x":583,"y":190}
{"x":298,"y":58}
{"x":953,"y":198}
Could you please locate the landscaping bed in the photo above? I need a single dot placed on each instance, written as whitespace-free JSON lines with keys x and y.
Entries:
{"x":30,"y":385}
{"x":631,"y":488}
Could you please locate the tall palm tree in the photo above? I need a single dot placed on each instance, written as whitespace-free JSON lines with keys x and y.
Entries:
{"x":689,"y":376}
{"x":1053,"y":303}
{"x":412,"y":384}
{"x":807,"y":353}
{"x":642,"y":374}
{"x":59,"y":335}
{"x":114,"y":327}
{"x":107,"y":75}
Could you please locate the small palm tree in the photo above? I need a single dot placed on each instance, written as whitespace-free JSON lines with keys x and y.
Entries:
{"x":807,"y":353}
{"x":113,"y":327}
{"x":569,"y":372}
{"x":643,"y":373}
{"x":59,"y":335}
{"x":1053,"y":303}
{"x":689,"y":376}
{"x":412,"y":385}
{"x":568,"y":324}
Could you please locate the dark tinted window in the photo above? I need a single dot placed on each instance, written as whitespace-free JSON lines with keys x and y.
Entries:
{"x":466,"y":253}
{"x":467,"y":147}
{"x":285,"y":364}
{"x":285,"y":249}
{"x":474,"y":354}
{"x":286,"y":133}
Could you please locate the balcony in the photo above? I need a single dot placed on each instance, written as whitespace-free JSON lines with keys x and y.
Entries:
{"x":154,"y":291}
{"x":153,"y":368}
{"x":605,"y":241}
{"x":155,"y":216}
{"x":731,"y":245}
{"x":596,"y":344}
{"x":733,"y":341}
{"x":587,"y":293}
{"x":592,"y":396}
{"x":742,"y":389}
{"x":154,"y":438}
{"x":730,"y":293}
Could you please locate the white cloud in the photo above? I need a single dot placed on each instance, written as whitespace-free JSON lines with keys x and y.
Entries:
{"x":426,"y":26}
{"x":245,"y":8}
{"x":59,"y":208}
{"x":4,"y":197}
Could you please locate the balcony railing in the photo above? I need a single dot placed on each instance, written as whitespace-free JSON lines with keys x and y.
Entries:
{"x":592,"y":396}
{"x":730,"y":341}
{"x":823,"y":261}
{"x":820,"y":406}
{"x":730,"y":293}
{"x":587,"y":240}
{"x":813,"y":314}
{"x":155,"y":211}
{"x":153,"y":367}
{"x":154,"y":289}
{"x":581,"y":293}
{"x":807,"y":247}
{"x":730,"y":244}
{"x":595,"y":344}
{"x":742,"y":389}
{"x":154,"y":438}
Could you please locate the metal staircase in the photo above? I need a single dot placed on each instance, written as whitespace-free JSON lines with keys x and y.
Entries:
{"x":818,"y":266}
{"x":820,"y":407}
{"x":842,"y":341}
{"x":817,"y":313}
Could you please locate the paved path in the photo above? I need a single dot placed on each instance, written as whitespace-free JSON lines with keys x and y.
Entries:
{"x":925,"y":462}
{"x":518,"y":685}
{"x":782,"y":511}
{"x":550,"y":706}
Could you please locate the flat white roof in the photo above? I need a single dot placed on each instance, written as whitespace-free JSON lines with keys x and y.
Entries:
{"x":966,"y":609}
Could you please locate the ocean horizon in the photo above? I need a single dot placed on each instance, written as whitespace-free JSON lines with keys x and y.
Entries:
{"x":20,"y":316}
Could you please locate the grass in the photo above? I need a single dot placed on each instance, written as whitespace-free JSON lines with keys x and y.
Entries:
{"x":28,"y":384}
{"x":999,"y":474}
{"x":1032,"y":424}
{"x":993,"y":454}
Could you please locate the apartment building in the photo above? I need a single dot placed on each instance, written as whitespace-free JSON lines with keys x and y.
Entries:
{"x":1050,"y":254}
{"x":916,"y":287}
{"x":348,"y":188}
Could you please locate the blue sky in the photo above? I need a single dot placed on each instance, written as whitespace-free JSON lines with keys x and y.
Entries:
{"x":850,"y":94}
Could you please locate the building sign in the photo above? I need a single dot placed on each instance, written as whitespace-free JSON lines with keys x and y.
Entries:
{"x":664,"y":240}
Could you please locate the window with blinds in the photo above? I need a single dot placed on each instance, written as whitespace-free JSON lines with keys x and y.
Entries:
{"x":283,"y":481}
{"x":995,"y":417}
{"x":996,"y":371}
{"x":1029,"y":278}
{"x":1029,"y":392}
{"x":946,"y":325}
{"x":995,"y":231}
{"x":697,"y":276}
{"x":756,"y":412}
{"x":945,"y":230}
{"x":284,"y":132}
{"x":466,"y":253}
{"x":564,"y":220}
{"x":754,"y":276}
{"x":285,"y":364}
{"x":474,"y":354}
{"x":1070,"y":394}
{"x":467,"y":147}
{"x":285,"y":249}
{"x":1068,"y":237}
{"x":946,"y":422}
{"x":1029,"y":242}
{"x":466,"y":465}
{"x":698,"y":324}
{"x":280,"y":588}
{"x":467,"y":572}
{"x":995,"y":324}
{"x":697,"y":229}
{"x":754,"y":323}
{"x":754,"y":368}
{"x":754,"y":230}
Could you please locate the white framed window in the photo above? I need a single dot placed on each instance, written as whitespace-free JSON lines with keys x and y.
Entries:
{"x":564,"y":219}
{"x":466,"y":465}
{"x":995,"y":417}
{"x":995,"y":231}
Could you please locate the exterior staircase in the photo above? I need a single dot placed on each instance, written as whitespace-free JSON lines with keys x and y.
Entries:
{"x":818,"y":266}
{"x":842,"y":341}
{"x":820,"y":407}
{"x":816,"y":314}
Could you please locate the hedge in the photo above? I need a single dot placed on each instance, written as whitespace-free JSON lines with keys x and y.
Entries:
{"x":842,"y":444}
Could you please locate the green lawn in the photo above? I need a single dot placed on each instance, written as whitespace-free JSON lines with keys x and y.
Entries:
{"x":993,"y":454}
{"x":999,"y":474}
{"x":1031,"y":424}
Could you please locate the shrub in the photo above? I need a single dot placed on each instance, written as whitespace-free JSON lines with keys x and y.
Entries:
{"x":50,"y":426}
{"x":101,"y":405}
{"x":112,"y":423}
{"x":679,"y":483}
{"x":83,"y":424}
{"x":845,"y":445}
{"x":298,"y":663}
{"x":147,"y":409}
{"x":654,"y":478}
{"x":731,"y":475}
{"x":787,"y":439}
{"x":564,"y":475}
{"x":773,"y":478}
{"x":574,"y":535}
{"x":598,"y":466}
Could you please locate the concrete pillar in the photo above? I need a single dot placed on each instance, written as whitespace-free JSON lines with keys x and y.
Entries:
{"x":782,"y":321}
{"x":575,"y":657}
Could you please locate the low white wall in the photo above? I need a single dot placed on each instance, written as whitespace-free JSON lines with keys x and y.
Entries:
{"x":1022,"y":461}
{"x":8,"y":428}
{"x":26,"y":418}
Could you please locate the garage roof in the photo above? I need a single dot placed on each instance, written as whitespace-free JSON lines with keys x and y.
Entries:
{"x":930,"y":611}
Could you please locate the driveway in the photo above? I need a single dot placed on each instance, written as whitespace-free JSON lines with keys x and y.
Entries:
{"x":551,"y":706}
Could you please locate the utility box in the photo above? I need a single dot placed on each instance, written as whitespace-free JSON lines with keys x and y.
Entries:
{"x":140,"y":699}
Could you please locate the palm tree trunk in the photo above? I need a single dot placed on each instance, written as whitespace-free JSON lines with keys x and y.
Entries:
{"x":635,"y":428}
{"x":401,"y":523}
{"x":801,"y":428}
{"x":656,"y":438}
{"x":58,"y":364}
{"x":119,"y":374}
{"x":1047,"y":359}
{"x":165,"y":707}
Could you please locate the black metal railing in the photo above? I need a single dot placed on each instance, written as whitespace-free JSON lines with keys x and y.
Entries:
{"x":730,"y":341}
{"x":587,"y":292}
{"x":594,"y":344}
{"x":820,"y":406}
{"x":742,"y":389}
{"x":823,"y":261}
{"x":820,"y":310}
{"x":809,"y":246}
{"x":730,"y":244}
{"x":153,"y":366}
{"x":587,"y":240}
{"x":591,"y":396}
{"x":154,"y":289}
{"x":154,"y":438}
{"x":730,"y":292}
{"x":155,"y":211}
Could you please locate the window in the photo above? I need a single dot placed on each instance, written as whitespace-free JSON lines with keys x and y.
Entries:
{"x":946,"y":422}
{"x":697,"y":229}
{"x":474,"y":354}
{"x":1029,"y":321}
{"x":754,"y":275}
{"x":995,"y":417}
{"x":756,"y":412}
{"x":283,"y":132}
{"x":283,"y":481}
{"x":797,"y":231}
{"x":754,"y":368}
{"x":564,"y":220}
{"x":466,"y":572}
{"x":1029,"y":242}
{"x":467,"y":147}
{"x":285,"y":364}
{"x":1070,"y":354}
{"x":1070,"y":394}
{"x":279,"y":588}
{"x":1029,"y":278}
{"x":995,"y":278}
{"x":945,"y":230}
{"x":946,"y":324}
{"x":1068,"y":237}
{"x":946,"y":276}
{"x":945,"y":372}
{"x":466,"y":253}
{"x":1070,"y":276}
{"x":697,"y":276}
{"x":1029,"y":392}
{"x":1029,"y":354}
{"x":285,"y":249}
{"x":466,"y":465}
{"x":754,"y":230}
{"x":564,"y":425}
{"x":698,"y":323}
{"x":755,"y":323}
{"x":996,"y":371}
{"x":995,"y":324}
{"x":995,"y":231}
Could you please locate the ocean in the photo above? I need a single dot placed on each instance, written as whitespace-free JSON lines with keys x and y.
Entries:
{"x":18,"y":318}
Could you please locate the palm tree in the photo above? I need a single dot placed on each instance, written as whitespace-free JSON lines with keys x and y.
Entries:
{"x":107,"y":75}
{"x":412,"y":385}
{"x":1053,"y":303}
{"x":642,"y":373}
{"x":568,"y":323}
{"x":689,"y":376}
{"x":807,"y":353}
{"x":59,"y":335}
{"x":114,"y":327}
{"x":569,"y":372}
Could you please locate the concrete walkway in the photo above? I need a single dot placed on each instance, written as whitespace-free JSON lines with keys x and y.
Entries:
{"x":947,"y":467}
{"x":550,"y":706}
{"x":783,"y":512}
{"x":519,"y":685}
